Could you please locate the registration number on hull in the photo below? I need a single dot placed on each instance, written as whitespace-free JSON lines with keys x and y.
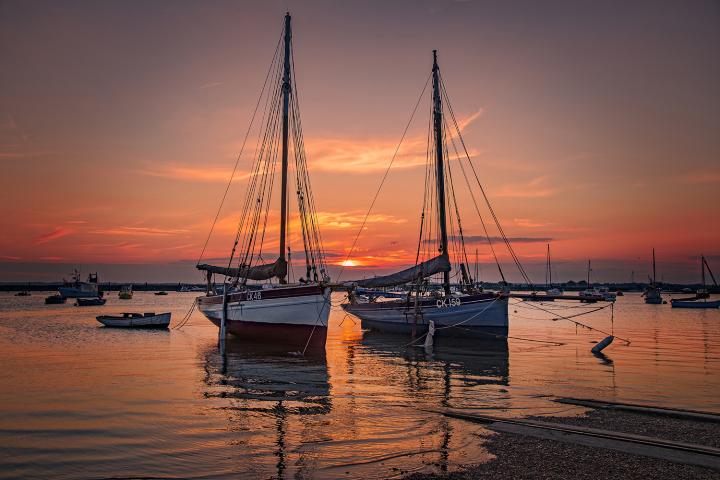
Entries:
{"x":447,"y":302}
{"x":253,"y":295}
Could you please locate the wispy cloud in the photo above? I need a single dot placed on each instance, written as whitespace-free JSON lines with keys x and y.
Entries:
{"x":529,"y":223}
{"x":695,"y":178}
{"x":190,"y":173}
{"x":141,"y":231}
{"x":353,"y":219}
{"x":351,"y":155}
{"x":58,"y":232}
{"x":205,"y":86}
{"x":535,"y":188}
{"x":494,"y":239}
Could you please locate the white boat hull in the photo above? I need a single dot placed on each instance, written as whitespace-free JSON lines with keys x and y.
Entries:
{"x":290,"y":319}
{"x":161,"y":320}
{"x":72,"y":292}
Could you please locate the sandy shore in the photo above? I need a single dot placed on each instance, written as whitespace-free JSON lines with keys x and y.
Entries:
{"x":525,"y":457}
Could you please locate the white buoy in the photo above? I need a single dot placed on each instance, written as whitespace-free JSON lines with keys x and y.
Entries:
{"x":602,"y":344}
{"x":429,"y":336}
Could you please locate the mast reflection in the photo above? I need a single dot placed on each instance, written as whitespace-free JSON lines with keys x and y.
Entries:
{"x":272,"y":395}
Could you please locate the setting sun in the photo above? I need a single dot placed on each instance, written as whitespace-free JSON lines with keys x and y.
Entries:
{"x":349,"y":263}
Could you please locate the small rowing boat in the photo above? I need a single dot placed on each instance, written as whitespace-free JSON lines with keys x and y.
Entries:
{"x":136,"y":320}
{"x":89,"y":302}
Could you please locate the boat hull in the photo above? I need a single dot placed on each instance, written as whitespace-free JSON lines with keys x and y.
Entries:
{"x":288,"y":316}
{"x":90,"y":302}
{"x":680,"y":304}
{"x":72,"y":292}
{"x":161,"y":320}
{"x":470,"y":316}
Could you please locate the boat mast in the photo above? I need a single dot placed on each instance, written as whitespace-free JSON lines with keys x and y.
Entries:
{"x":702,"y":268}
{"x":438,"y":126}
{"x":548,"y":274}
{"x":653,"y":266}
{"x":588,"y":279}
{"x":286,"y":88}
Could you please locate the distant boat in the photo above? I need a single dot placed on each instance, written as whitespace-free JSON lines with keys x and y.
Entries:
{"x":551,"y":291}
{"x":191,"y":288}
{"x":76,"y":288}
{"x":24,"y":293}
{"x":55,"y":300}
{"x":700,"y":300}
{"x":161,"y":293}
{"x":90,"y":302}
{"x":652,"y":291}
{"x":136,"y":320}
{"x":126,"y":292}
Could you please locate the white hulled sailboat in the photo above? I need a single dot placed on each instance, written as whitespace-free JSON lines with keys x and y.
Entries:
{"x":293,"y":314}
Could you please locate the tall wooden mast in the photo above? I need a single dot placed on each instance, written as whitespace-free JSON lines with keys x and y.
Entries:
{"x":286,"y":90}
{"x":440,"y":174}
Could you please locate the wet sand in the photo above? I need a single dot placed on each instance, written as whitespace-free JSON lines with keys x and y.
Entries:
{"x":526,"y":457}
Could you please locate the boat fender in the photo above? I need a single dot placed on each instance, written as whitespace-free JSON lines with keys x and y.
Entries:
{"x":429,"y":336}
{"x":602,"y":344}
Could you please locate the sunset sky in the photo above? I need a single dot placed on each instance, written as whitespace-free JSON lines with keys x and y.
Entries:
{"x":595,"y":126}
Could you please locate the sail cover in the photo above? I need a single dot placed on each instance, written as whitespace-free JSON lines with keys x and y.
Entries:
{"x":258,"y":272}
{"x":425,"y":269}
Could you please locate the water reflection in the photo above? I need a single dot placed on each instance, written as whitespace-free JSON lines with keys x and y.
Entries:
{"x":267,"y":389}
{"x":79,"y":400}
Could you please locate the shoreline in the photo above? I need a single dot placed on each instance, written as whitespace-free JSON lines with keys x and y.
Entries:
{"x":523,"y":456}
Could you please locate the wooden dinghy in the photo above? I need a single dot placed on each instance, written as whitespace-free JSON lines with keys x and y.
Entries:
{"x":683,"y":303}
{"x":90,"y":302}
{"x":136,"y":320}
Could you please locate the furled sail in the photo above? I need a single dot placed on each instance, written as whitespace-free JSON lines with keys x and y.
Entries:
{"x":439,"y":264}
{"x":266,"y":271}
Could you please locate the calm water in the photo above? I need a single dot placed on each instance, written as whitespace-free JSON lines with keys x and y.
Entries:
{"x":81,"y":401}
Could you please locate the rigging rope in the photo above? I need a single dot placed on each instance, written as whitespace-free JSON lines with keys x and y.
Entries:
{"x":382,"y":182}
{"x":237,"y":160}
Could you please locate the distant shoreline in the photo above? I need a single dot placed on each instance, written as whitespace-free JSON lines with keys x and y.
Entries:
{"x":175,"y":286}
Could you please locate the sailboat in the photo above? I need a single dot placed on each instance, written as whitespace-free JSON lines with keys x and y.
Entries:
{"x":700,"y":300}
{"x":652,"y":292}
{"x":552,"y":291}
{"x":461,"y":309}
{"x":279,"y":312}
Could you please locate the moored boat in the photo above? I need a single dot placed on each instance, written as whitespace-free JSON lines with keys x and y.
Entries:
{"x":90,"y":302}
{"x":55,"y":300}
{"x":126,"y":292}
{"x":75,"y":288}
{"x":283,"y":312}
{"x":700,"y":300}
{"x":136,"y":320}
{"x":163,"y":292}
{"x":653,"y":292}
{"x":463,"y":310}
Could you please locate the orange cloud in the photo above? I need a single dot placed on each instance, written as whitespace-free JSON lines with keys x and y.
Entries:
{"x":369,"y":156}
{"x":204,"y":173}
{"x":59,"y":232}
